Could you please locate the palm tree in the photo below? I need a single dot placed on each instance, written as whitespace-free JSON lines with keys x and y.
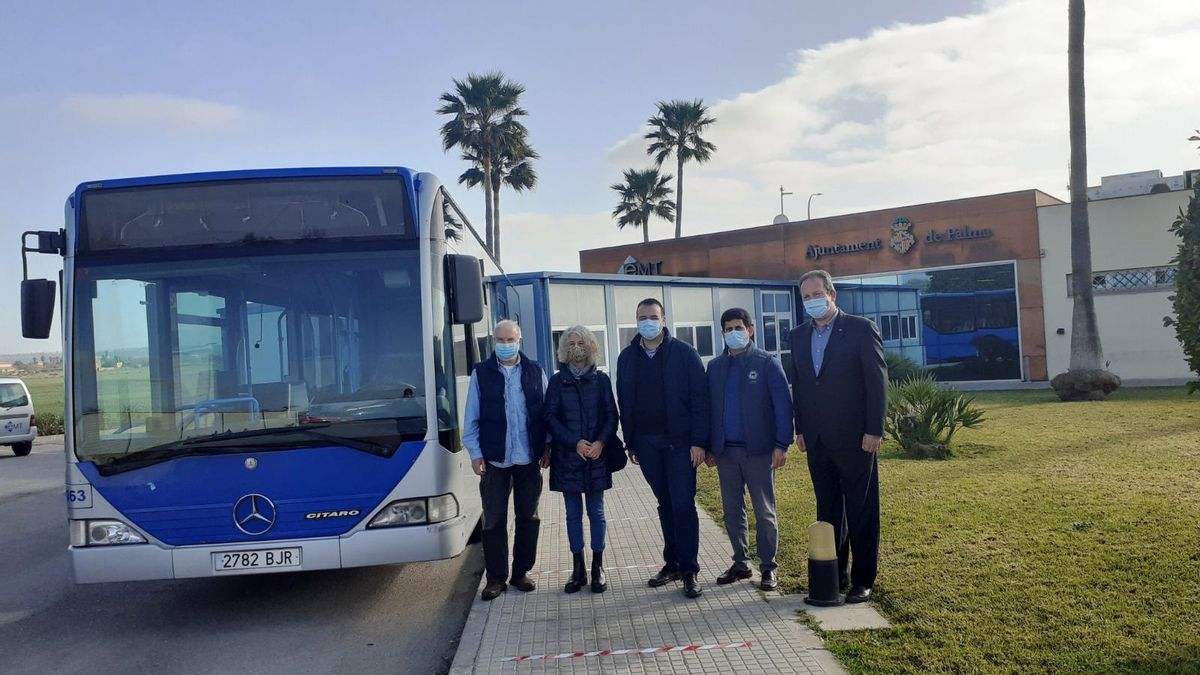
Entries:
{"x":644,"y":193}
{"x":1086,"y":377}
{"x":485,"y":117}
{"x":676,"y":131}
{"x":511,"y":166}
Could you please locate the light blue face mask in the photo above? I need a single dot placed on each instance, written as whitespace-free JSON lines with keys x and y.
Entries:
{"x":507,"y":351}
{"x":737,"y":339}
{"x":817,"y":308}
{"x":649,"y":329}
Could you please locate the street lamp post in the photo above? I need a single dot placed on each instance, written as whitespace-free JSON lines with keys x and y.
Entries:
{"x":815,"y":194}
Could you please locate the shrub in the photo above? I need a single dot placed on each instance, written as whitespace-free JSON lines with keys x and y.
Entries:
{"x":49,"y":424}
{"x":901,"y":368}
{"x":1186,"y":300}
{"x":923,"y":417}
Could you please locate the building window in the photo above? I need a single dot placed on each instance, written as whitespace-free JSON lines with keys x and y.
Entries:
{"x":774,"y":334}
{"x":1131,"y":280}
{"x":959,"y":322}
{"x":698,"y":336}
{"x":889,"y":326}
{"x":898,"y":327}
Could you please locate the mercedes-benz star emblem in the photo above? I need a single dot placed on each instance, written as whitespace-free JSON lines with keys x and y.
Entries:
{"x":254,"y":514}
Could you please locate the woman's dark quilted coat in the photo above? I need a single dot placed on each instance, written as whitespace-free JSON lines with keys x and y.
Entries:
{"x":579,"y":408}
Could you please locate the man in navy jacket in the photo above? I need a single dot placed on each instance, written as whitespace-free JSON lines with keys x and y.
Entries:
{"x":839,"y":389}
{"x":663,"y":398}
{"x":751,"y":432}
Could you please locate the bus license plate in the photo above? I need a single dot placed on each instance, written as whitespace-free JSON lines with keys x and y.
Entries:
{"x":250,"y":560}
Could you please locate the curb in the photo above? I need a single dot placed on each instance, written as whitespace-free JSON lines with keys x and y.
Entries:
{"x":467,"y":653}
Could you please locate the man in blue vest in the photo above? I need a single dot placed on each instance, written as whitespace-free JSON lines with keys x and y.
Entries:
{"x":664,"y":414}
{"x":506,"y":438}
{"x":751,"y":431}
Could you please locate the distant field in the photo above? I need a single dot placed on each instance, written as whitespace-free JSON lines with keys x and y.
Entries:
{"x":47,"y":392}
{"x":120,"y":389}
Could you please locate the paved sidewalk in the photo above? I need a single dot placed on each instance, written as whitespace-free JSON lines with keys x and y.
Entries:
{"x":631,"y":615}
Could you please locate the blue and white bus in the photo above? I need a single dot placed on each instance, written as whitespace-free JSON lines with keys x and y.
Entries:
{"x":264,"y":371}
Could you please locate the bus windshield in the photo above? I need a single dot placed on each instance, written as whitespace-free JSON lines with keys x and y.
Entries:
{"x":239,"y":353}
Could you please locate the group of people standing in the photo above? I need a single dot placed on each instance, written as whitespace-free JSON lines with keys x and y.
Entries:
{"x":741,"y":415}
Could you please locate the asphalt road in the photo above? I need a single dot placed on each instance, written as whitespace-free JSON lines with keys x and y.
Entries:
{"x":394,"y":619}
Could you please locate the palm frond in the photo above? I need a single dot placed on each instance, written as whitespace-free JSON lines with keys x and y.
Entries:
{"x":643,"y":194}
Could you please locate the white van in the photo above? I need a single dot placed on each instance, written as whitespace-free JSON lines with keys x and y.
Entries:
{"x":17,"y":425}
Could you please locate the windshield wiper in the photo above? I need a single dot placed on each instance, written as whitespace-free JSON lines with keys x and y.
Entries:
{"x":282,"y":438}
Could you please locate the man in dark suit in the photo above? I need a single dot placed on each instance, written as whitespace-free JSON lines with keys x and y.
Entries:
{"x":839,"y":393}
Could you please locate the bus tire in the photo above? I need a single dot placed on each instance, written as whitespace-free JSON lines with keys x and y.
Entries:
{"x":22,"y":449}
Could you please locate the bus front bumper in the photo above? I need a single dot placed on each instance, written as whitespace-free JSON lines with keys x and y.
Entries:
{"x":137,"y":562}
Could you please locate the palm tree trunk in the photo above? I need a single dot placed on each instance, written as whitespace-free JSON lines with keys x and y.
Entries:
{"x":679,"y":197}
{"x":487,"y":202}
{"x":496,"y":222}
{"x":646,"y":231}
{"x":1086,"y":352}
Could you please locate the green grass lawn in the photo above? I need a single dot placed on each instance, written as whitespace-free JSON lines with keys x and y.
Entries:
{"x":119,"y":389}
{"x":1062,"y":537}
{"x":46,"y":392}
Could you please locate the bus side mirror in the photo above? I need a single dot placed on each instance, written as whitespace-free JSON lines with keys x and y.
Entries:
{"x":464,"y":280}
{"x":37,"y":308}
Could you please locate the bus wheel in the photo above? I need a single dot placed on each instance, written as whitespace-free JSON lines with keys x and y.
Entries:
{"x":22,"y":449}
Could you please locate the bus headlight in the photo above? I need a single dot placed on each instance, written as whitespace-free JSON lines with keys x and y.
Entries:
{"x":106,"y":533}
{"x":403,"y":512}
{"x":442,"y":508}
{"x":416,"y":512}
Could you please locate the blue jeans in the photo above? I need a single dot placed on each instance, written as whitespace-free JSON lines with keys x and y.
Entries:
{"x":595,"y":510}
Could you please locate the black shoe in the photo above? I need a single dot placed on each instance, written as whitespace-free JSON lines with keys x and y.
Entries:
{"x":493,"y":590}
{"x":522,"y":583}
{"x":858,"y":594}
{"x":578,"y":574}
{"x":770,"y":581}
{"x":599,"y":583}
{"x":733,"y":574}
{"x":690,"y":588}
{"x":665,"y":575}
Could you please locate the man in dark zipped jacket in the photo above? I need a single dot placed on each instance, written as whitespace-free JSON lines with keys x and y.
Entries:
{"x":663,"y":398}
{"x":751,"y":431}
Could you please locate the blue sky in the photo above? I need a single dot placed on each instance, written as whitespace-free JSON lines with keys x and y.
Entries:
{"x":874,"y":103}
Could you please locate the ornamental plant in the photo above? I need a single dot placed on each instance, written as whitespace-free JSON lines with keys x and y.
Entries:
{"x":1186,"y":300}
{"x":900,"y":367}
{"x":923,"y":417}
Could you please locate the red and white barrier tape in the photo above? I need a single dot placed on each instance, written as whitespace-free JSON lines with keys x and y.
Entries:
{"x":621,"y":652}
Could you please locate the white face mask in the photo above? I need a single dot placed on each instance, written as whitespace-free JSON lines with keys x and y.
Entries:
{"x":817,"y":308}
{"x":737,"y":339}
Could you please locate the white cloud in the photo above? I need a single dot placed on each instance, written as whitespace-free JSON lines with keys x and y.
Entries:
{"x":539,"y":241}
{"x":155,"y":111}
{"x":965,"y":106}
{"x":962,"y":107}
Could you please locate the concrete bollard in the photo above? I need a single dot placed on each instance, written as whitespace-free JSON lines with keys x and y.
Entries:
{"x":823,"y":583}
